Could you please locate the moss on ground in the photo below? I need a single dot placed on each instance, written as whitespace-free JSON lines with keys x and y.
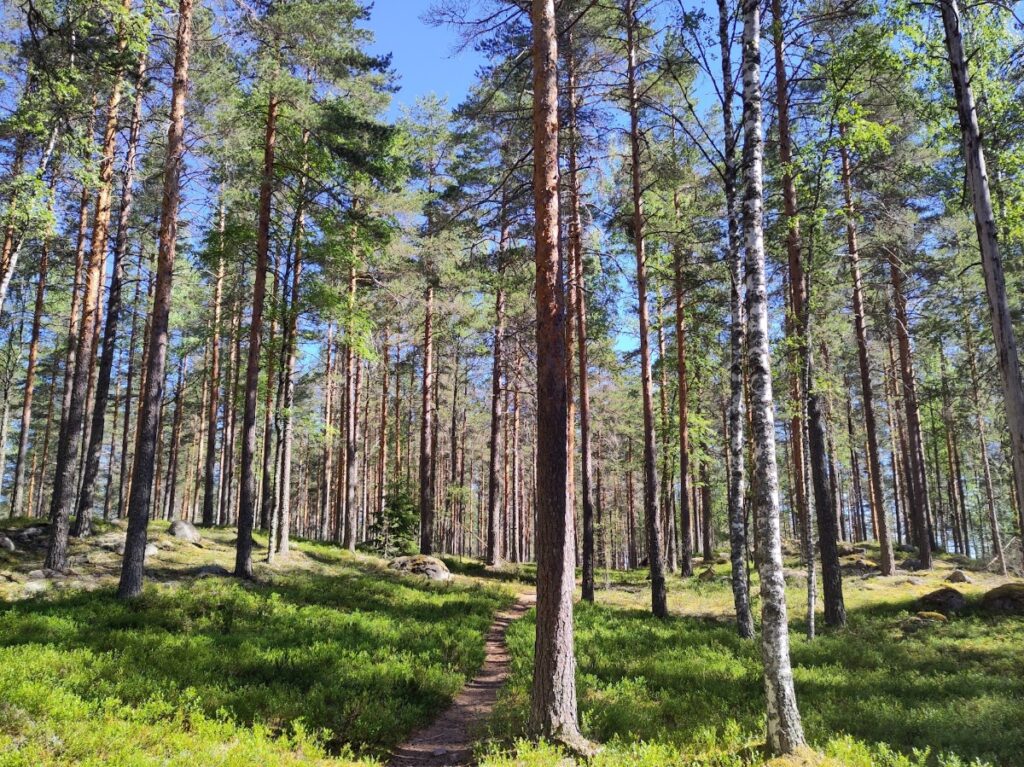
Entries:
{"x":883,"y":692}
{"x":326,"y":658}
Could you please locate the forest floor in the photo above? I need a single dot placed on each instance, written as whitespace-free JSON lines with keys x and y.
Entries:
{"x":329,"y":658}
{"x":890,"y":690}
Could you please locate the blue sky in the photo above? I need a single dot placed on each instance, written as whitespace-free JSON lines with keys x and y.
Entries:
{"x":423,"y":56}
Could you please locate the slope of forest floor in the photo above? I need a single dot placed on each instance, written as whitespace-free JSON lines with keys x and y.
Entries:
{"x":889,"y":690}
{"x":326,"y":658}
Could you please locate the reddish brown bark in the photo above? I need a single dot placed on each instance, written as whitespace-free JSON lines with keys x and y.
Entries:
{"x":247,"y":492}
{"x":151,"y":393}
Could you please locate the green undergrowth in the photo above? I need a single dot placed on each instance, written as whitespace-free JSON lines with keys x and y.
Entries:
{"x":688,"y":690}
{"x":328,"y":658}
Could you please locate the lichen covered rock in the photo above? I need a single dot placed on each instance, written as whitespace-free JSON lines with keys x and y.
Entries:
{"x":421,"y":564}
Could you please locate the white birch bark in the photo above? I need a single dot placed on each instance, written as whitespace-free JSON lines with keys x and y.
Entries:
{"x":785,"y":732}
{"x":985,"y":223}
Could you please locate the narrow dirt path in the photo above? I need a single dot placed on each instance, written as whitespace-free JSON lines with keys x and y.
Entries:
{"x":448,"y":741}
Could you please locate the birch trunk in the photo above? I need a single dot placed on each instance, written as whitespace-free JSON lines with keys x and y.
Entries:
{"x":785,"y":731}
{"x":984,"y":221}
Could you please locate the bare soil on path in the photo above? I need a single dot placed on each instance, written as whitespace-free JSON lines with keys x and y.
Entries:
{"x":448,"y":741}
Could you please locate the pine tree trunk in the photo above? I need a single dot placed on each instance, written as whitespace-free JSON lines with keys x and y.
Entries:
{"x":328,"y":451}
{"x":580,"y":305}
{"x":289,"y":353}
{"x":426,"y":429}
{"x":352,"y":425}
{"x":785,"y":731}
{"x":917,"y":487}
{"x":831,"y":572}
{"x":659,"y":596}
{"x":979,"y":421}
{"x":211,"y":496}
{"x":797,"y":281}
{"x":37,"y":507}
{"x":113,"y":314}
{"x":382,"y":431}
{"x":271,"y":425}
{"x":65,"y":484}
{"x":247,"y":491}
{"x":21,"y":459}
{"x":494,"y":521}
{"x":886,"y":564}
{"x":553,"y":712}
{"x":175,"y":456}
{"x":152,"y":392}
{"x":686,"y":531}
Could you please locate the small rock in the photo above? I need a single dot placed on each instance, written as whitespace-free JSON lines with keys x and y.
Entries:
{"x":185,"y":531}
{"x":1007,"y":599}
{"x":910,"y":564}
{"x":34,"y":587}
{"x":112,"y":541}
{"x":793,"y":575}
{"x":151,"y":549}
{"x":846,"y":550}
{"x":722,"y":560}
{"x":420,"y":564}
{"x":958,"y":576}
{"x":946,"y":601}
{"x":210,"y":571}
{"x":38,"y":575}
{"x":7,"y":544}
{"x":31,"y":532}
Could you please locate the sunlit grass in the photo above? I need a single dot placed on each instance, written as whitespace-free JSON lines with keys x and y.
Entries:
{"x":687,"y":691}
{"x":325,"y":657}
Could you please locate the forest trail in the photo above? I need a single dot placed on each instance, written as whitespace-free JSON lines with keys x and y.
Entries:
{"x":448,"y":740}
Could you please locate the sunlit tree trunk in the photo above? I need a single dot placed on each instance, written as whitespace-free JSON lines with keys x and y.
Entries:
{"x":151,"y":393}
{"x":288,"y":355}
{"x":736,"y":481}
{"x":211,"y":496}
{"x":580,"y":305}
{"x":797,"y":281}
{"x":427,"y":429}
{"x":327,"y":457}
{"x":917,"y":487}
{"x":785,"y":731}
{"x":65,"y":483}
{"x":984,"y":220}
{"x":21,"y":459}
{"x":113,"y":314}
{"x":979,"y":421}
{"x":247,"y":491}
{"x":655,"y":556}
{"x":382,"y":432}
{"x":494,"y":521}
{"x":352,"y":416}
{"x":877,"y":496}
{"x":553,"y":712}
